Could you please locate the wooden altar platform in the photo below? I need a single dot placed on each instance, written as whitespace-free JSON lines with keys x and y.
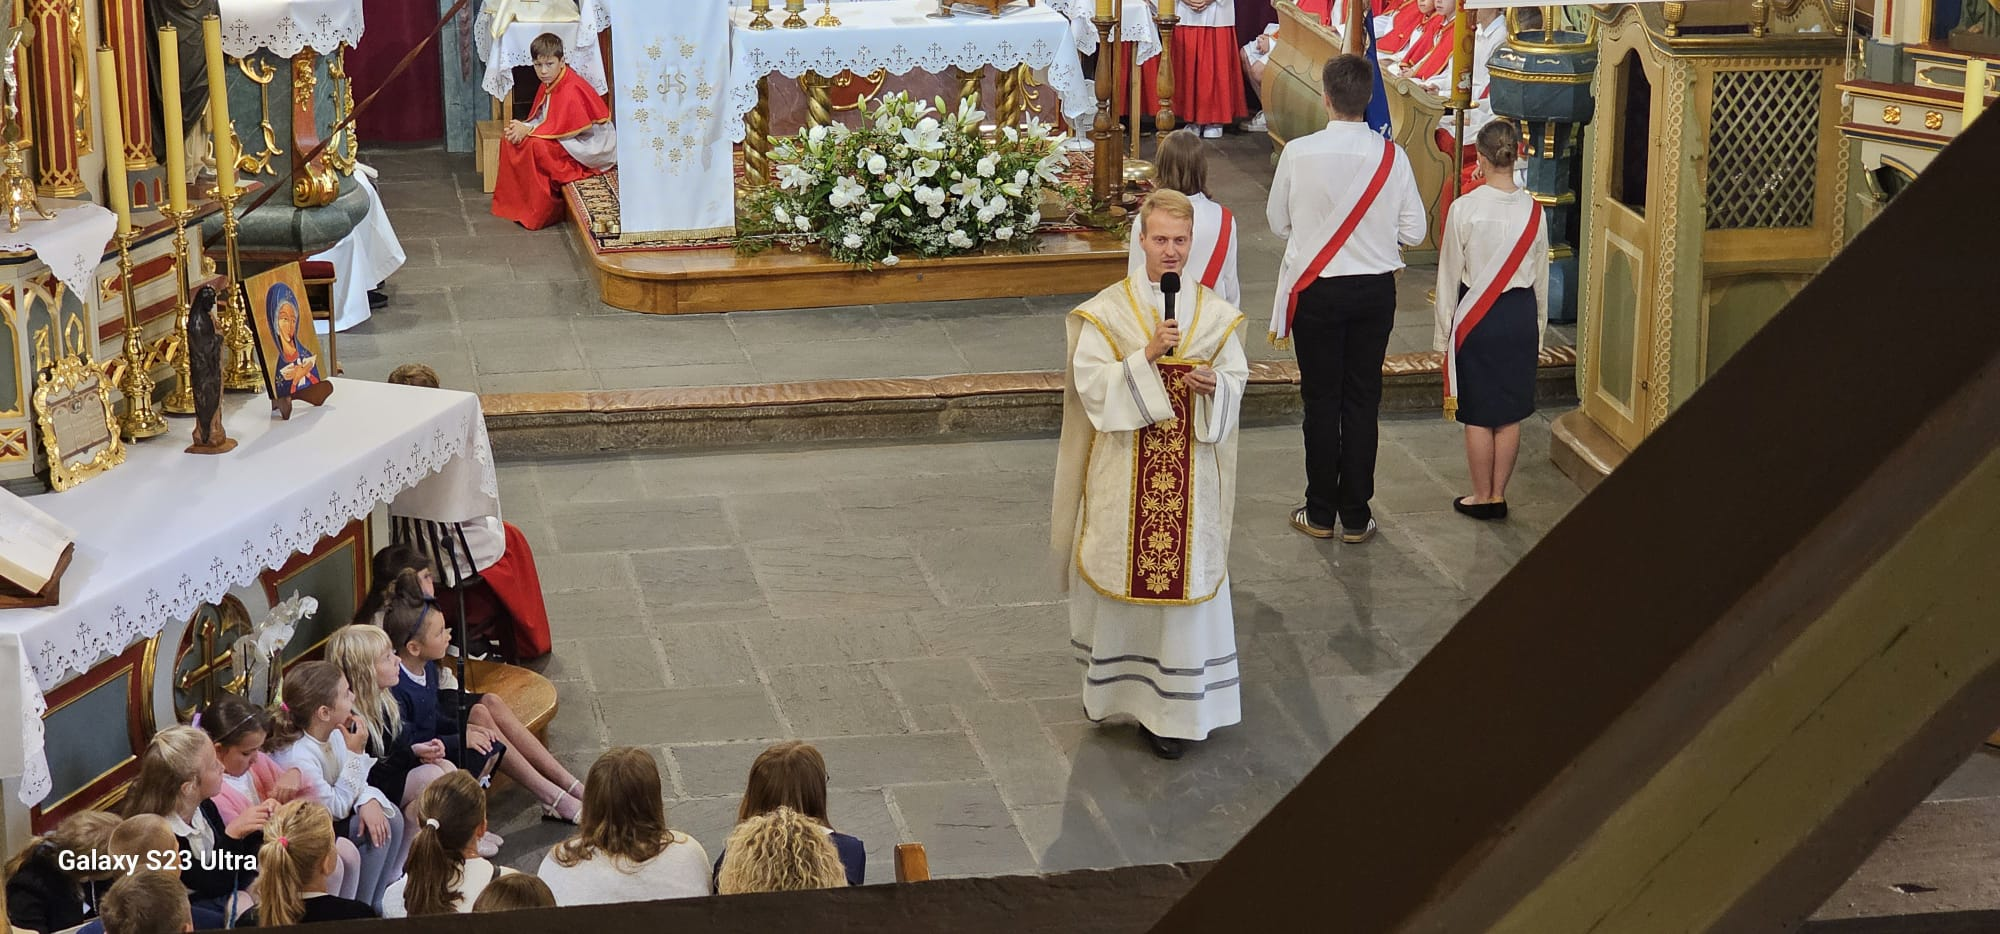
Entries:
{"x":717,"y":279}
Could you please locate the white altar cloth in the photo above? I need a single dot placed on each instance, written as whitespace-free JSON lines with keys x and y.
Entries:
{"x":168,"y":531}
{"x":896,"y":35}
{"x":579,"y":47}
{"x":71,"y":244}
{"x":288,"y":26}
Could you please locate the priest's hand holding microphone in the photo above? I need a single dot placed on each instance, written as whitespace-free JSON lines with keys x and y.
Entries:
{"x":1168,"y":336}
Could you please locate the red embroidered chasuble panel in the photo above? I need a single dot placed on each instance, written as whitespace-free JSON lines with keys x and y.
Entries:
{"x":1163,"y":495}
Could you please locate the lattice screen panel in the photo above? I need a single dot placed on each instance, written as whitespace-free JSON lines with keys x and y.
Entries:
{"x":1763,"y":149}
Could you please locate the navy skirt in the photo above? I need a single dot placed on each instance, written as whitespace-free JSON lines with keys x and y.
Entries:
{"x":1496,"y":364}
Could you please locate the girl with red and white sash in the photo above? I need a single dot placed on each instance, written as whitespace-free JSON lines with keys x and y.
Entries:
{"x":1492,"y":309}
{"x":1211,"y":258}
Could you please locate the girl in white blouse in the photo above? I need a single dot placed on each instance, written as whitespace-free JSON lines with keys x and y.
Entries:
{"x":624,"y":851}
{"x":446,"y":872}
{"x":1492,"y":308}
{"x":316,"y":731}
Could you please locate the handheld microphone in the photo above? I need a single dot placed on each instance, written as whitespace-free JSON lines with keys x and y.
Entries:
{"x":1170,"y":285}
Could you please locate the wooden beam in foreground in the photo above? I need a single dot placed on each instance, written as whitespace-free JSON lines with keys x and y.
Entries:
{"x":1707,"y":694}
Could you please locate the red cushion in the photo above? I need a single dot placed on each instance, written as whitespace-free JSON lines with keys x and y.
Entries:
{"x":316,"y":269}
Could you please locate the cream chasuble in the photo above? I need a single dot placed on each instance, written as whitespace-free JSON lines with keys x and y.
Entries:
{"x":1145,"y":493}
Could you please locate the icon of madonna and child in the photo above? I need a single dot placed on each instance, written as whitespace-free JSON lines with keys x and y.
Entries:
{"x":292,"y":364}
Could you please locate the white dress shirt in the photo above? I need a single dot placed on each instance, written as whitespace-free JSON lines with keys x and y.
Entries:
{"x":1314,"y":172}
{"x":1481,"y":229}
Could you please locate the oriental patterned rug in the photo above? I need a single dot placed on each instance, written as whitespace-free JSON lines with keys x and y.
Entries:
{"x":595,"y":202}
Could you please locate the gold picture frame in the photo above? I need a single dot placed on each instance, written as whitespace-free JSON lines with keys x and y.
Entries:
{"x":79,"y":429}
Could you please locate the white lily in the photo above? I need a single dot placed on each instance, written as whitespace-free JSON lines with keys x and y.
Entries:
{"x":846,"y":193}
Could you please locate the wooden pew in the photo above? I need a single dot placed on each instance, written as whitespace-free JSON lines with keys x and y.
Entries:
{"x":912,"y":864}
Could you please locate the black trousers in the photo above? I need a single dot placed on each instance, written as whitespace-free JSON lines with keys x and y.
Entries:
{"x":1340,"y":333}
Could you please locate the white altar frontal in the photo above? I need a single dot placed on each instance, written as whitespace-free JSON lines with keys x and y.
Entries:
{"x":170,"y":539}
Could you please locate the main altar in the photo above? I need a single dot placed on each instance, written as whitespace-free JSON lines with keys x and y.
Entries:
{"x":1020,"y":65}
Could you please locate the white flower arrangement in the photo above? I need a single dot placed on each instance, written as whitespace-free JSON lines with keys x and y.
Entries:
{"x":914,"y":179}
{"x":254,"y":657}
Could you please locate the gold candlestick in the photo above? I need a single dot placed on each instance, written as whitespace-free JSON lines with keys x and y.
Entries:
{"x":827,"y":19}
{"x":797,"y":9}
{"x":173,"y":346}
{"x":139,"y":420}
{"x":759,"y":8}
{"x":243,"y":374}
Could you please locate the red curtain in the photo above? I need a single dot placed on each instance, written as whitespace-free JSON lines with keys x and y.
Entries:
{"x":412,"y":111}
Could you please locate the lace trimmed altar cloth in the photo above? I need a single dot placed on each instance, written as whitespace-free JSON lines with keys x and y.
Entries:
{"x":579,"y":47}
{"x":72,"y":244}
{"x":168,"y":531}
{"x":1136,"y":25}
{"x":896,"y":35}
{"x":288,"y":26}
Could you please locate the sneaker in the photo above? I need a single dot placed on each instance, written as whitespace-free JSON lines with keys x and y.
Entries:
{"x":1257,"y":124}
{"x":1305,"y":525}
{"x":1212,"y":131}
{"x":1357,"y":536}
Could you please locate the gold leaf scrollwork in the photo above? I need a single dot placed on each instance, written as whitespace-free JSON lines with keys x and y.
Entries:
{"x":262,"y":73}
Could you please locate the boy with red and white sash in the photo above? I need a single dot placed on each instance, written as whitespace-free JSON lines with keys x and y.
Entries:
{"x":1492,"y":309}
{"x":1355,"y":204}
{"x":1146,"y":491}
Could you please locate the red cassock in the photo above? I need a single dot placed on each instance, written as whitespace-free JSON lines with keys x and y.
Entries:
{"x":1437,"y":58}
{"x":1404,"y":29}
{"x":529,"y":187}
{"x":1208,"y":78}
{"x":1321,"y":8}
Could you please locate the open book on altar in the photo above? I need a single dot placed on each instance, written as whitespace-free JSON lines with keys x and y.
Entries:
{"x":34,"y":551}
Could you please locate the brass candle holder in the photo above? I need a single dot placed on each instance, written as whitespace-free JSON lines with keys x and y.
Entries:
{"x":827,"y":19}
{"x":17,"y":190}
{"x":797,"y":9}
{"x":173,"y":346}
{"x":759,"y":10}
{"x":243,"y":373}
{"x":139,"y":420}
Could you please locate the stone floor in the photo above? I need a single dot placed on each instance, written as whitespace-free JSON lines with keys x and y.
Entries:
{"x":888,"y":602}
{"x":495,"y":308}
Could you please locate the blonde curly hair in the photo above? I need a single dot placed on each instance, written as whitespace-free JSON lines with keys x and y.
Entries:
{"x":782,"y":851}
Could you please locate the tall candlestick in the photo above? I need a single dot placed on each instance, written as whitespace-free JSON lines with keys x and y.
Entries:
{"x":1975,"y":91}
{"x":117,"y":191}
{"x":218,"y":107}
{"x":170,"y":101}
{"x":1104,"y":9}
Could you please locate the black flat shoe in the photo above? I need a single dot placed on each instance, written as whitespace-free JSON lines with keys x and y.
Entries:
{"x":1165,"y":747}
{"x":1481,"y":511}
{"x":377,"y":299}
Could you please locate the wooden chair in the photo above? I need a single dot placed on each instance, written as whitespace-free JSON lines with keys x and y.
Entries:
{"x":319,"y":276}
{"x":912,"y":864}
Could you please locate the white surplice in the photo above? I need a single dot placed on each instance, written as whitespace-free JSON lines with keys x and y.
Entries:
{"x":362,"y":260}
{"x":1150,"y":616}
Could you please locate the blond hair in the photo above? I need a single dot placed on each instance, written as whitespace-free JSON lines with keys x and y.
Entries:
{"x":297,"y":841}
{"x":171,"y":762}
{"x":783,"y":851}
{"x":139,"y":835}
{"x":624,"y":814}
{"x":1167,"y":201}
{"x":82,"y":832}
{"x":354,"y":649}
{"x":146,"y":903}
{"x":513,"y":891}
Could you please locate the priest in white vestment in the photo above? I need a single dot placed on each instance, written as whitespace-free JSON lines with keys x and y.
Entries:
{"x":1145,"y":490}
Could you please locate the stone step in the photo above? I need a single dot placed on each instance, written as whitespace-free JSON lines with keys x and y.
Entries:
{"x":542,"y":424}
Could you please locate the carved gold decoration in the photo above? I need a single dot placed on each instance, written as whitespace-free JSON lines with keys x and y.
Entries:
{"x":140,"y":420}
{"x":826,"y":19}
{"x":1674,"y":11}
{"x":1892,"y":114}
{"x":317,"y":186}
{"x":243,"y":374}
{"x":757,"y":138}
{"x":1013,"y":94}
{"x":1933,"y":120}
{"x":203,"y":669}
{"x":79,"y":431}
{"x":1839,"y":212}
{"x":345,"y":154}
{"x":819,"y":107}
{"x":968,"y":84}
{"x":873,"y":85}
{"x":80,"y":71}
{"x":260,"y":164}
{"x":1678,"y":77}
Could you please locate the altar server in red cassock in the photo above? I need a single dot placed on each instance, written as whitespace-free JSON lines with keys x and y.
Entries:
{"x":1410,"y":25}
{"x":1208,"y":75}
{"x":567,"y":136}
{"x":1492,"y":308}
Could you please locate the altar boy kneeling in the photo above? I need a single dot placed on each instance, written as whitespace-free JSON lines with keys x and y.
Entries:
{"x":567,"y":136}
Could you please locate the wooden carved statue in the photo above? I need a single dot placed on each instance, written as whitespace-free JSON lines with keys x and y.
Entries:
{"x":205,"y":371}
{"x":508,"y":12}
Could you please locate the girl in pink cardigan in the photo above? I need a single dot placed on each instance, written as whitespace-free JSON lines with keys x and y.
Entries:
{"x":251,"y":776}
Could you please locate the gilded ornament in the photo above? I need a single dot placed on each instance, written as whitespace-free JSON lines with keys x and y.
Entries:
{"x":79,"y":431}
{"x":1892,"y":114}
{"x":1933,"y":120}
